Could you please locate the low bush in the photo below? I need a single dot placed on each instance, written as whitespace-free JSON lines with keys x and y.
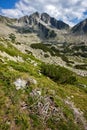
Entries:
{"x":58,"y":74}
{"x":42,"y":47}
{"x":46,"y":55}
{"x":83,"y":67}
{"x":12,"y":37}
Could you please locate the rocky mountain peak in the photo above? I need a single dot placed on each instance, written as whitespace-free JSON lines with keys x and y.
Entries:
{"x":80,"y":28}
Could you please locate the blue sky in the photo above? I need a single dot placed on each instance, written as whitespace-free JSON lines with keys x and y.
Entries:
{"x":69,"y":11}
{"x":7,"y":3}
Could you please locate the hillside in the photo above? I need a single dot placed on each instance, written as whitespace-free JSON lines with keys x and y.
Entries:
{"x":32,"y":99}
{"x":43,"y":75}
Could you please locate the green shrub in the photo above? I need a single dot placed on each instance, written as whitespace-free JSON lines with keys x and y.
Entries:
{"x":83,"y":66}
{"x":12,"y":37}
{"x":28,"y":52}
{"x":43,"y":47}
{"x":58,"y":74}
{"x":46,"y":55}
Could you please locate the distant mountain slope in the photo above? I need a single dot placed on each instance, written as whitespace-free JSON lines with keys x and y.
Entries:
{"x":80,"y":28}
{"x":43,"y":25}
{"x":6,"y":20}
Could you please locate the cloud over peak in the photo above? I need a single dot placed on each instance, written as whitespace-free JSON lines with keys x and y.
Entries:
{"x":70,"y":11}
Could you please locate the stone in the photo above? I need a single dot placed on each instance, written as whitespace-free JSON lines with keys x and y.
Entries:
{"x":20,"y":83}
{"x":33,"y":81}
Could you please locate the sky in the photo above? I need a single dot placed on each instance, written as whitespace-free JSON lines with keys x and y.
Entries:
{"x":69,"y":11}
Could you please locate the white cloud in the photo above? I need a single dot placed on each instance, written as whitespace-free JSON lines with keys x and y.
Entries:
{"x":66,"y":10}
{"x":12,"y":12}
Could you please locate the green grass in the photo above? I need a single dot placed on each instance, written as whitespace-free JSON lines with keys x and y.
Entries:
{"x":12,"y":113}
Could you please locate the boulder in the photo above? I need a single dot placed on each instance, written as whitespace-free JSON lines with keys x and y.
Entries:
{"x":21,"y":83}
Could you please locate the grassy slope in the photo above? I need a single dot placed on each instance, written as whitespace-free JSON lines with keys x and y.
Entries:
{"x":12,"y":116}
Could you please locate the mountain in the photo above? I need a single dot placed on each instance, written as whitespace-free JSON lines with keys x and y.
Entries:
{"x":42,"y":23}
{"x":36,"y":18}
{"x":44,"y":26}
{"x":80,"y":28}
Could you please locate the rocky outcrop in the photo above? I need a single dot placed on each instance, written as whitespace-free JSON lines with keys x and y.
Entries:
{"x":21,"y":83}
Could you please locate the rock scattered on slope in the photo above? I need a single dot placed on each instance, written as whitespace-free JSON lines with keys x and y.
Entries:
{"x":21,"y":83}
